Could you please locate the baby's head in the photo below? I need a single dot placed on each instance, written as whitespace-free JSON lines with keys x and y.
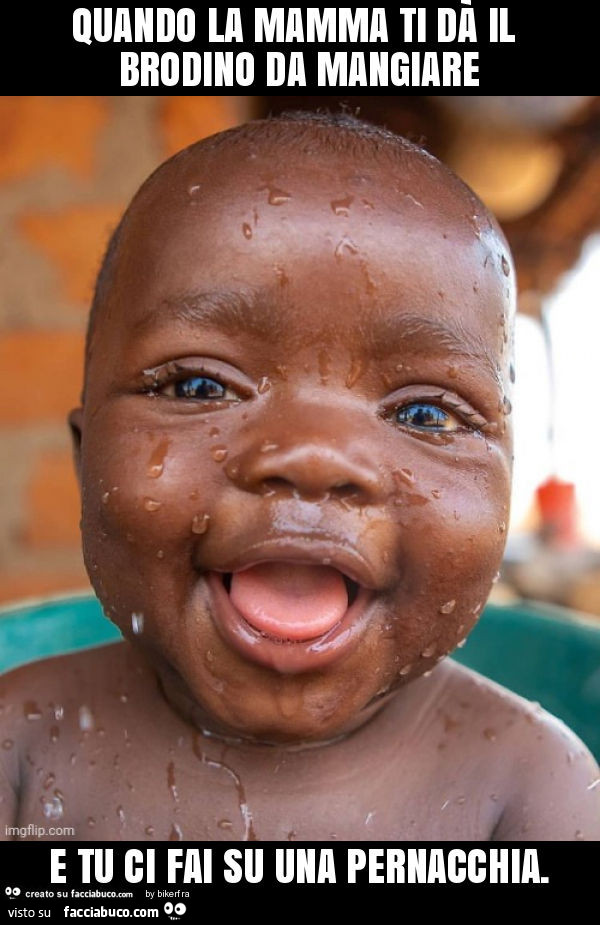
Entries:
{"x":294,"y":447}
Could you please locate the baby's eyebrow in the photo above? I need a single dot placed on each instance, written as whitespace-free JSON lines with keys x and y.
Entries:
{"x":262,"y":313}
{"x":246,"y":310}
{"x":417,"y":334}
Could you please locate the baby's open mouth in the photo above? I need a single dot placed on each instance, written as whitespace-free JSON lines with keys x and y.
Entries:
{"x":291,"y":601}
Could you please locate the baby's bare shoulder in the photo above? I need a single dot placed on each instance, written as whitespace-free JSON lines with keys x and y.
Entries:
{"x":39,"y":696}
{"x":551,"y":781}
{"x":34,"y":700}
{"x":59,"y":679}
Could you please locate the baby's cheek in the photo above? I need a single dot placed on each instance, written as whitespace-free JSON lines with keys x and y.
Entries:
{"x":145,"y":506}
{"x":451,"y":548}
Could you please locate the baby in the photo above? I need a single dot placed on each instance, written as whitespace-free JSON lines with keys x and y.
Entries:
{"x":294,"y":451}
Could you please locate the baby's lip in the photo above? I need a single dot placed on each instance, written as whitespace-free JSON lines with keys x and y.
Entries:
{"x":346,"y":559}
{"x":301,"y":653}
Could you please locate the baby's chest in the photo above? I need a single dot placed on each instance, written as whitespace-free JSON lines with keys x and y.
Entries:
{"x":106,"y":793}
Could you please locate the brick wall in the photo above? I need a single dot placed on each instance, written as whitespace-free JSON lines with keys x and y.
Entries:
{"x":68,"y":167}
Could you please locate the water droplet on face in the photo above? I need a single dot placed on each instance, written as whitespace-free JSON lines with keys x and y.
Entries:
{"x":54,"y":733}
{"x":505,"y":266}
{"x":428,"y":651}
{"x":86,"y":719}
{"x":59,"y":711}
{"x":151,"y":505}
{"x":579,"y":835}
{"x":404,"y":475}
{"x":137,"y":623}
{"x":506,"y":405}
{"x":511,"y":372}
{"x":461,"y":800}
{"x":277,"y":197}
{"x":435,"y":493}
{"x":160,"y":554}
{"x":445,"y":804}
{"x":247,"y":231}
{"x":219,"y":453}
{"x":496,"y":578}
{"x":357,"y":368}
{"x":225,"y":824}
{"x":461,"y":644}
{"x":232,"y":470}
{"x":200,"y":523}
{"x":121,"y":815}
{"x":31,"y":711}
{"x":490,"y":734}
{"x":157,"y":459}
{"x":193,"y":192}
{"x":341,"y":206}
{"x":404,"y":671}
{"x":52,"y":807}
{"x":175,"y":834}
{"x":476,"y":609}
{"x":267,"y":446}
{"x":7,"y":744}
{"x":264,"y":384}
{"x":345,"y":246}
{"x":501,"y":527}
{"x":448,"y":607}
{"x":105,"y":497}
{"x":91,"y":822}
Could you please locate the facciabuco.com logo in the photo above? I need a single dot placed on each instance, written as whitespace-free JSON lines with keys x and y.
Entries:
{"x":102,"y":912}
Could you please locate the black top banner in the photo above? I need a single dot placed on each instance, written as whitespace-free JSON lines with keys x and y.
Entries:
{"x":468,"y":47}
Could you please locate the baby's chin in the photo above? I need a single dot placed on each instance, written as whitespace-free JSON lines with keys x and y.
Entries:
{"x":295,"y":711}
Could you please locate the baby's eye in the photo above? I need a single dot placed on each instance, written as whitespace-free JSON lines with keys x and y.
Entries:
{"x":199,"y":388}
{"x":426,"y":417}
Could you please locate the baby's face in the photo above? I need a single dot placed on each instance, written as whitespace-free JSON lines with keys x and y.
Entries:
{"x":295,"y":457}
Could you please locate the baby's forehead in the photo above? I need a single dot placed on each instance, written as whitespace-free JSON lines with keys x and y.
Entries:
{"x":242,"y":219}
{"x":230,"y":189}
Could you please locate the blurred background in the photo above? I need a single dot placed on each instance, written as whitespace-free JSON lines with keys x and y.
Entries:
{"x":68,"y":167}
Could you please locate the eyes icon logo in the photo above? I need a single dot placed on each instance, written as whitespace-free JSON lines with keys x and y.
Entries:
{"x":13,"y":890}
{"x":174,"y":911}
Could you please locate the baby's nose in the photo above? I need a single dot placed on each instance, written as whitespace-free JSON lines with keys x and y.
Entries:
{"x":312,"y":470}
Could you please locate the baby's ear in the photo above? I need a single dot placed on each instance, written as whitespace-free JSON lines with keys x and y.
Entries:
{"x":75,"y":420}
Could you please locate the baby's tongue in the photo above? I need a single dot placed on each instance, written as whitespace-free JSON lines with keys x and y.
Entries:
{"x":290,"y":601}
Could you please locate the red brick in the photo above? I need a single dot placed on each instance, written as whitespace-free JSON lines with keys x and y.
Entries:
{"x":16,"y":585}
{"x":46,"y":131}
{"x":186,"y":119}
{"x":74,"y":240}
{"x":52,"y":503}
{"x":40,"y":375}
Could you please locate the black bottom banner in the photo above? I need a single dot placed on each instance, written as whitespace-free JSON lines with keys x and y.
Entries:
{"x":168,"y":882}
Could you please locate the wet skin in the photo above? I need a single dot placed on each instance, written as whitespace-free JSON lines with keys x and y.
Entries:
{"x":320,"y":326}
{"x":344,"y":321}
